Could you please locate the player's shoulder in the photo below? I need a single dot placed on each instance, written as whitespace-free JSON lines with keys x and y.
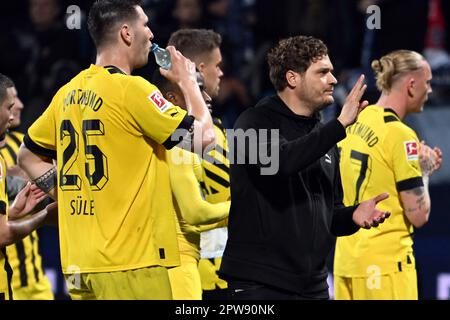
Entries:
{"x":140,"y":82}
{"x":395,"y":126}
{"x":388,"y":119}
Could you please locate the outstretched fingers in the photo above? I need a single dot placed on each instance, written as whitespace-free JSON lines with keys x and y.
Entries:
{"x":358,"y":89}
{"x":381,"y":197}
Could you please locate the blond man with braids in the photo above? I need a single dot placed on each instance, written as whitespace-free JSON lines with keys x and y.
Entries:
{"x":382,"y":154}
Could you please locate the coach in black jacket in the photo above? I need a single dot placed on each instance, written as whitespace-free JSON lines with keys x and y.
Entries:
{"x":282,"y":226}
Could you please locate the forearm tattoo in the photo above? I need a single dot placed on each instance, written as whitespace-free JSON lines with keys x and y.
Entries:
{"x":421,"y":203}
{"x":47,"y":181}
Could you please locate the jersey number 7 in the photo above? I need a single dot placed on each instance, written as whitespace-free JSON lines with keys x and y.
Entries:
{"x":363,"y":158}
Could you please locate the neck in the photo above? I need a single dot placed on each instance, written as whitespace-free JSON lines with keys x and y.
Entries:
{"x":394,"y":102}
{"x":108,"y":57}
{"x":294,"y":103}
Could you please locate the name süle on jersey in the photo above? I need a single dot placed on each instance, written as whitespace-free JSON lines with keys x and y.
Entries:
{"x":82,"y":207}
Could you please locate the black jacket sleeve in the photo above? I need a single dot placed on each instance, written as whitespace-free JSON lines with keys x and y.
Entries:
{"x":294,"y":155}
{"x":342,"y":223}
{"x":298,"y":154}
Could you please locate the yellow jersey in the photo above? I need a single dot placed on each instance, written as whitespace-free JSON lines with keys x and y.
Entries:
{"x":216,"y":168}
{"x":107,"y":130}
{"x":5,"y":268}
{"x":380,"y":154}
{"x":216,"y":188}
{"x":185,"y":176}
{"x":24,"y":257}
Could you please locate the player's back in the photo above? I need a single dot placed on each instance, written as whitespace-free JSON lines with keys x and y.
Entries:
{"x":113,"y":185}
{"x":373,"y":160}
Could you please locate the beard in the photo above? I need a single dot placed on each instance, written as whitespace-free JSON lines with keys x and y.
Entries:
{"x":213,"y":92}
{"x":325,"y":103}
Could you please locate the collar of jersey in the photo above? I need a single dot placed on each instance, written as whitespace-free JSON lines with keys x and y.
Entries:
{"x":391,"y":111}
{"x":113,"y":69}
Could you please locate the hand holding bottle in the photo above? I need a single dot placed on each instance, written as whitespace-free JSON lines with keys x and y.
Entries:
{"x":162,"y":56}
{"x":182,"y":70}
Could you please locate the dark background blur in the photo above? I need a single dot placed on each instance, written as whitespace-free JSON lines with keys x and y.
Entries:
{"x":40,"y":53}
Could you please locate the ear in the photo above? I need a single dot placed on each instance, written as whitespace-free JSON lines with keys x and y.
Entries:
{"x":201,"y":66}
{"x":410,"y":84}
{"x":172,"y":97}
{"x":292,"y":78}
{"x":126,"y":34}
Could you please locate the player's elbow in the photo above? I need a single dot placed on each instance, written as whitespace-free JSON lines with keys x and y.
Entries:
{"x":5,"y":241}
{"x":25,"y":158}
{"x":22,"y":157}
{"x":192,"y":217}
{"x":6,"y":235}
{"x":204,"y":133}
{"x":209,"y":139}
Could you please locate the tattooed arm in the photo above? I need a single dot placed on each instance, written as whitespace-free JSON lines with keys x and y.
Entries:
{"x":40,"y":169}
{"x":416,"y":201}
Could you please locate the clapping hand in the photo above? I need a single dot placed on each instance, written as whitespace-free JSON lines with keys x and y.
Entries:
{"x":25,"y":201}
{"x":367,"y":215}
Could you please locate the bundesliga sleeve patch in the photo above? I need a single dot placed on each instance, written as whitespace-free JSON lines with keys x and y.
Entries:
{"x":158,"y":101}
{"x":412,"y":150}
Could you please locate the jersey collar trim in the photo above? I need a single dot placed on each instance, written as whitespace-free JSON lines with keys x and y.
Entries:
{"x":113,"y":69}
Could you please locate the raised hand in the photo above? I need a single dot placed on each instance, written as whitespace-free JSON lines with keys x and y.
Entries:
{"x":430,"y":160}
{"x":353,"y":105}
{"x":25,"y":201}
{"x":182,"y":68}
{"x":367,"y":215}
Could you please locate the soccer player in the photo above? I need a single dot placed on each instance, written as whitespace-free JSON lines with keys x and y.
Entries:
{"x":14,"y":224}
{"x":107,"y":131}
{"x":381,"y":153}
{"x":29,"y":281}
{"x":203,"y":48}
{"x":193,"y":213}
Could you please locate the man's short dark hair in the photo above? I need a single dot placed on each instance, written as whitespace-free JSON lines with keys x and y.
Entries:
{"x":105,"y":15}
{"x":5,"y":83}
{"x":296,"y":54}
{"x":195,"y":42}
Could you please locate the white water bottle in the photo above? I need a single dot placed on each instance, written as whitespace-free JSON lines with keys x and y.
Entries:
{"x":162,"y":56}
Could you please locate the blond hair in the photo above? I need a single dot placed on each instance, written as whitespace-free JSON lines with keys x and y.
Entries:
{"x":392,"y":66}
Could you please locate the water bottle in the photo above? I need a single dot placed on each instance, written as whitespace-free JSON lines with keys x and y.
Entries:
{"x":162,"y":56}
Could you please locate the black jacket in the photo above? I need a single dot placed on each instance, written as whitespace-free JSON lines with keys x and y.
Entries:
{"x":282,"y":227}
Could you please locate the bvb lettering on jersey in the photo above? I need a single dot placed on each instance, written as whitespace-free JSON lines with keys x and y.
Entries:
{"x":23,"y":256}
{"x":107,"y":130}
{"x":379,"y":154}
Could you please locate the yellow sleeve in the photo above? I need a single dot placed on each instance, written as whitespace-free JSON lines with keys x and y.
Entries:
{"x":403,"y":146}
{"x":220,"y":224}
{"x":156,"y":117}
{"x":186,"y":190}
{"x":41,"y":136}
